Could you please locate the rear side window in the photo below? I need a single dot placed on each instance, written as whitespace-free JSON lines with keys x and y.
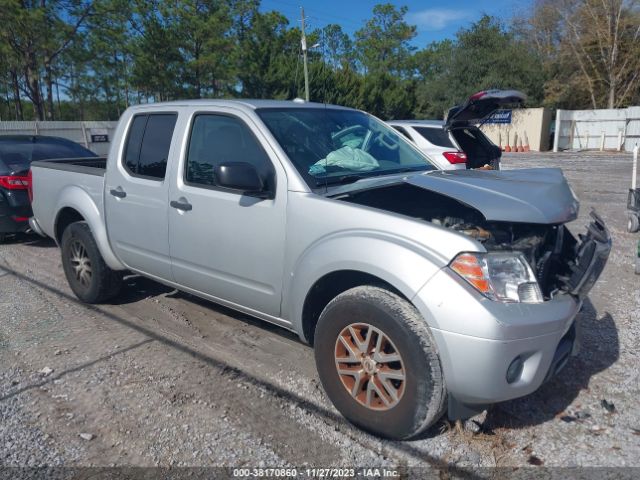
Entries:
{"x":148,"y":144}
{"x":16,"y":155}
{"x":403,"y":132}
{"x":436,"y":136}
{"x":45,"y":150}
{"x":217,"y":139}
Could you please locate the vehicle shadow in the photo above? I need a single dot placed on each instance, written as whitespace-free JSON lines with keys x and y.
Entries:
{"x":137,"y":287}
{"x":599,"y":349}
{"x":30,"y":239}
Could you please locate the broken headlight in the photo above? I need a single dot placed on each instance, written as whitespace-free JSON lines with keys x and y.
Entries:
{"x":504,"y":276}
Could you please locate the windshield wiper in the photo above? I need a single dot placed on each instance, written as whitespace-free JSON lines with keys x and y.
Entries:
{"x":420,"y":168}
{"x":354,"y":177}
{"x":339,"y":179}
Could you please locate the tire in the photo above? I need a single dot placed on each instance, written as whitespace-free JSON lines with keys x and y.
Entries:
{"x":633,"y":223}
{"x":96,"y":282}
{"x":420,"y":398}
{"x":3,"y":237}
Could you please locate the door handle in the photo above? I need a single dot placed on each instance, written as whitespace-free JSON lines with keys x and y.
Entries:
{"x":181,"y":204}
{"x":118,"y":192}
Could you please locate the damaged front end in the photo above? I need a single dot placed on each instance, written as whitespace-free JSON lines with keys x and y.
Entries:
{"x":519,"y":212}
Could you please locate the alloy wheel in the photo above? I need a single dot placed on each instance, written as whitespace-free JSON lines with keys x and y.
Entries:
{"x":370,"y":366}
{"x":80,"y":263}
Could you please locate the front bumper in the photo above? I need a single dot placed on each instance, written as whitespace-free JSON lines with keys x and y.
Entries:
{"x":478,"y":339}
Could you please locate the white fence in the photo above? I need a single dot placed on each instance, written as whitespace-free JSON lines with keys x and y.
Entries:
{"x":96,"y":136}
{"x":613,"y":129}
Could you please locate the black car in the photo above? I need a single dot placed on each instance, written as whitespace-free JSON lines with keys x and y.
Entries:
{"x":16,"y":154}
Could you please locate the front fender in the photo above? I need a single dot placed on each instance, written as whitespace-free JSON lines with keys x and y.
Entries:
{"x":402,"y":263}
{"x":80,"y":200}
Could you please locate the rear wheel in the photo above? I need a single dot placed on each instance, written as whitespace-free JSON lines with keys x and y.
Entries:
{"x":633,"y":223}
{"x":88,"y":275}
{"x":378,"y":363}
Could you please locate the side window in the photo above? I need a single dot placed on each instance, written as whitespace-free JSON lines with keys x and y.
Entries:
{"x":134,"y":142}
{"x":402,"y":131}
{"x":148,"y":144}
{"x":217,"y":139}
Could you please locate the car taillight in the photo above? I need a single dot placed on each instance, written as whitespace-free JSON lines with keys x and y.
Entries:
{"x":30,"y":186}
{"x":477,"y":96}
{"x":455,"y":157}
{"x":14,"y":182}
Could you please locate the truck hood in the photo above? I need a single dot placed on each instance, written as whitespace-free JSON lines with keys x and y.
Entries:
{"x":535,"y":195}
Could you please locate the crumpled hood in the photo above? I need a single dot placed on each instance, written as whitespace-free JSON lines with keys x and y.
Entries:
{"x":532,"y":195}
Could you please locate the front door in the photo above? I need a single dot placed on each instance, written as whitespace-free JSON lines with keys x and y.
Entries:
{"x":137,"y":196}
{"x":225,"y":243}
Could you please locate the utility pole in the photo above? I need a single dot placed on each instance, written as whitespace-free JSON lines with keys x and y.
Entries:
{"x":304,"y":56}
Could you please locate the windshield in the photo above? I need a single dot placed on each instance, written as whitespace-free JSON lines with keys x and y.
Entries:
{"x":329,"y":145}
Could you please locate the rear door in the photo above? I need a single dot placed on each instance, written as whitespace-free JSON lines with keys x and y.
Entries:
{"x":137,"y":195}
{"x":224,"y":243}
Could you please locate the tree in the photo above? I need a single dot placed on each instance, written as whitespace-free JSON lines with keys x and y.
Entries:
{"x":267,"y":56}
{"x":485,"y":55}
{"x":202,"y":28}
{"x":591,"y":45}
{"x":38,"y":32}
{"x":383,"y":43}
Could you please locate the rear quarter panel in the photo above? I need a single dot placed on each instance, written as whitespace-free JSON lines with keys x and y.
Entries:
{"x":54,"y":190}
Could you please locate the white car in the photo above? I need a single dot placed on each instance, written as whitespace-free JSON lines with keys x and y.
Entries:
{"x":432,"y":138}
{"x":458,"y":143}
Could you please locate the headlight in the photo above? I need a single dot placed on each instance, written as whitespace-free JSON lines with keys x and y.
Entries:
{"x":504,"y":276}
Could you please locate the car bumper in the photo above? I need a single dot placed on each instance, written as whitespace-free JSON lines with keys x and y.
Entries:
{"x":14,"y":214}
{"x":478,"y":339}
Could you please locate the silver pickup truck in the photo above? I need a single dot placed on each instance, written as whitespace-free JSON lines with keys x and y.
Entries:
{"x":420,"y":290}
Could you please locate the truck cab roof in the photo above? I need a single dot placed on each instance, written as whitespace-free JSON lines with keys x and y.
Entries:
{"x":252,"y":104}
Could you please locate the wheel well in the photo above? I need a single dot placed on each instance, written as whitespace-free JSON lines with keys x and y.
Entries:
{"x":329,"y":287}
{"x":66,"y":217}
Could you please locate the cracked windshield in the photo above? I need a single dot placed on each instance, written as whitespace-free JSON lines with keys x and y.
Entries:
{"x":332,"y":146}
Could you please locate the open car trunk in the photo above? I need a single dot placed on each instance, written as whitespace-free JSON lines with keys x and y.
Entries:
{"x":479,"y":149}
{"x":462,"y":119}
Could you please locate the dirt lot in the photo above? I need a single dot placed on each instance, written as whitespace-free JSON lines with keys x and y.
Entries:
{"x":162,"y":378}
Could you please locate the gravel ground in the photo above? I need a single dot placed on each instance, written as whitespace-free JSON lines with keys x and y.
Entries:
{"x":160,"y":378}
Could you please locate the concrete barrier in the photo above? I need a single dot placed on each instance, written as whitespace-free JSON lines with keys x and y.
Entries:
{"x":606,"y":129}
{"x":529,"y":124}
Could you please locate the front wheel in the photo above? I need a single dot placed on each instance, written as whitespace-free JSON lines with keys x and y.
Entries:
{"x":88,"y":275}
{"x":378,"y":363}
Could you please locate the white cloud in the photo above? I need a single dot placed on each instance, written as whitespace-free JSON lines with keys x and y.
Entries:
{"x":433,"y":19}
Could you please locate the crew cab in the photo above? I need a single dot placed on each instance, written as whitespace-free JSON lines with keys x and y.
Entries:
{"x":422,"y":291}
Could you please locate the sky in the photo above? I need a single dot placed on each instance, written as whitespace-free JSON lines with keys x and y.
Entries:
{"x":435,"y":20}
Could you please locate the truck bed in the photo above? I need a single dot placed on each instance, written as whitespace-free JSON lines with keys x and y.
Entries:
{"x":75,"y":183}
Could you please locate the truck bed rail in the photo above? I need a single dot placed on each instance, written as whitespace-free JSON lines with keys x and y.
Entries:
{"x":88,"y":165}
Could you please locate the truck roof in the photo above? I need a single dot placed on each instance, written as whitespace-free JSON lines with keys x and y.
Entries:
{"x":248,"y":103}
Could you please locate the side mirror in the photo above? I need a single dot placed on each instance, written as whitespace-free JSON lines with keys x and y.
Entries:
{"x":240,"y":176}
